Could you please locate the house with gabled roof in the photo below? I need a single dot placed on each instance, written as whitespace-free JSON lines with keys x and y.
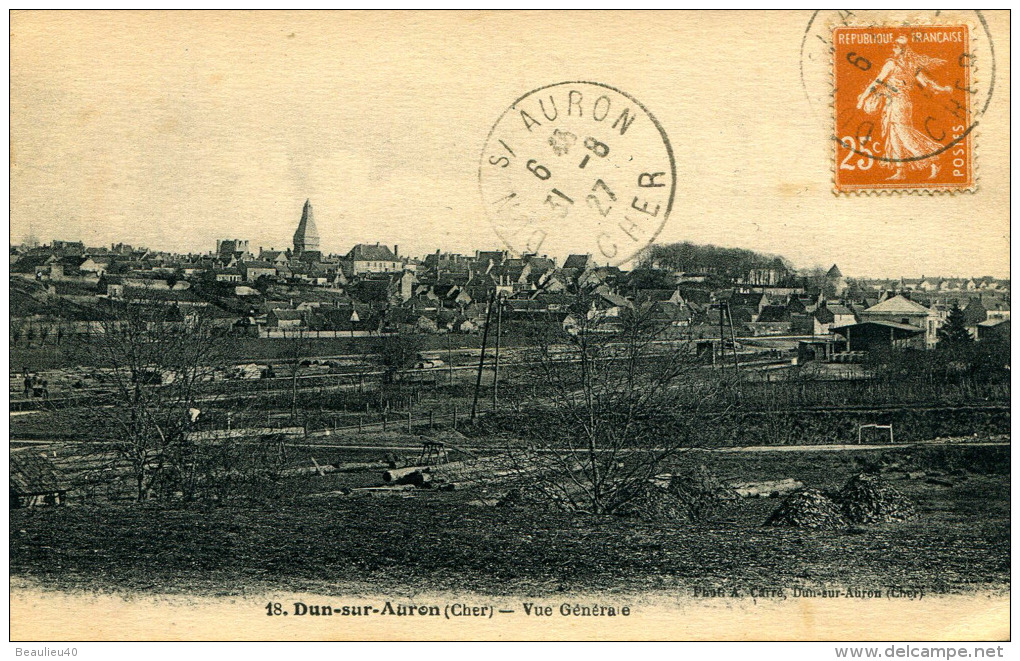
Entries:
{"x":580,"y":262}
{"x":554,"y":281}
{"x":274,"y":257}
{"x":993,"y":329}
{"x":280,"y":318}
{"x":830,"y":315}
{"x":32,"y":267}
{"x":997,"y":309}
{"x":901,"y":310}
{"x":367,"y":258}
{"x":255,"y":269}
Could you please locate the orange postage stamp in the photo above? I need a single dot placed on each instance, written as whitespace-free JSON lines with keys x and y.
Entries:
{"x":901,"y":102}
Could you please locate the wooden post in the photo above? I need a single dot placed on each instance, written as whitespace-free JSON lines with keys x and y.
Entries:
{"x":449,"y":357}
{"x":430,"y":418}
{"x":384,"y":421}
{"x":733,"y":340}
{"x":454,"y":416}
{"x":722,"y":348}
{"x":481,"y":359}
{"x":408,"y":419}
{"x":495,"y":365}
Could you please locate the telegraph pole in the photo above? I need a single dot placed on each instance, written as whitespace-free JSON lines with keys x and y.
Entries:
{"x":733,"y":341}
{"x":449,"y":357}
{"x":722,"y":341}
{"x":495,"y":372}
{"x":481,"y":359}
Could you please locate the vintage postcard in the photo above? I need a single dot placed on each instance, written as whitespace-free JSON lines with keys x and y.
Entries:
{"x":510,"y":326}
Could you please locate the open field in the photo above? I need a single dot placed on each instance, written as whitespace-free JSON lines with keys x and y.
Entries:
{"x":430,"y":540}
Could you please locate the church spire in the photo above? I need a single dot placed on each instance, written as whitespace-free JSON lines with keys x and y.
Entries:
{"x":306,"y":237}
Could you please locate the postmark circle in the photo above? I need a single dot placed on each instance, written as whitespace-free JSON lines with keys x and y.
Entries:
{"x":577,"y":167}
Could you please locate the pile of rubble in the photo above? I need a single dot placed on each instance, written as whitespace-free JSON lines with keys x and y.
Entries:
{"x":648,"y":501}
{"x":809,"y":508}
{"x":863,"y":499}
{"x":693,"y":495}
{"x":545,"y":495}
{"x":867,"y":499}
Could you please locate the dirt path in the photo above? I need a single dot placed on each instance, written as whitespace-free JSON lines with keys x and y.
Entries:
{"x":747,"y":448}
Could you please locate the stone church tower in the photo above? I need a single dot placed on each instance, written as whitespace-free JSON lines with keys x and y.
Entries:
{"x":306,"y":237}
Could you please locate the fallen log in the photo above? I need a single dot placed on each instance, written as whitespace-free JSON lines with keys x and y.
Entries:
{"x":494,"y":468}
{"x":358,"y":466}
{"x":766,"y":489}
{"x":307,"y":470}
{"x":385,"y":489}
{"x":409,"y":475}
{"x":326,"y":494}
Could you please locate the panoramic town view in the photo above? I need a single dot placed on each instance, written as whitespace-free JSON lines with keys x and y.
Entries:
{"x":705,"y":420}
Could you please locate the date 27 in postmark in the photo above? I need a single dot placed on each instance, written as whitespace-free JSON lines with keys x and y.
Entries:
{"x":902,"y":106}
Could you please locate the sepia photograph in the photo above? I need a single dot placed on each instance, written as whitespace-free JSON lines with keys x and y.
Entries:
{"x":510,"y":325}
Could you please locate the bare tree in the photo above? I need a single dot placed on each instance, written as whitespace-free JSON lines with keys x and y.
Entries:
{"x":614,"y":395}
{"x":152,"y":363}
{"x":299,"y":348}
{"x":397,"y":352}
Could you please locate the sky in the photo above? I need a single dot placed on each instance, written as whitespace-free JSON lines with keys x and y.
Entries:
{"x":173,"y":130}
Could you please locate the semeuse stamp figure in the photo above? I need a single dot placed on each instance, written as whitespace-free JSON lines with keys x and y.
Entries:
{"x":908,"y":127}
{"x":891,"y":91}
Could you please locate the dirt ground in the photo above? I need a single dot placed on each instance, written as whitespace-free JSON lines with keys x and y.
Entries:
{"x":429,"y":540}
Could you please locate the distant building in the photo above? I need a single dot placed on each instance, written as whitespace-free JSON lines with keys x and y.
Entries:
{"x":974,"y":314}
{"x":285,"y":319}
{"x":879,"y":336}
{"x":366,"y":258}
{"x":255,"y":269}
{"x":993,"y":329}
{"x":901,"y":310}
{"x":998,"y":310}
{"x":227,"y":249}
{"x":228,"y":275}
{"x":68,"y":247}
{"x":830,"y":315}
{"x":835,"y":280}
{"x":580,"y":262}
{"x":306,"y":237}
